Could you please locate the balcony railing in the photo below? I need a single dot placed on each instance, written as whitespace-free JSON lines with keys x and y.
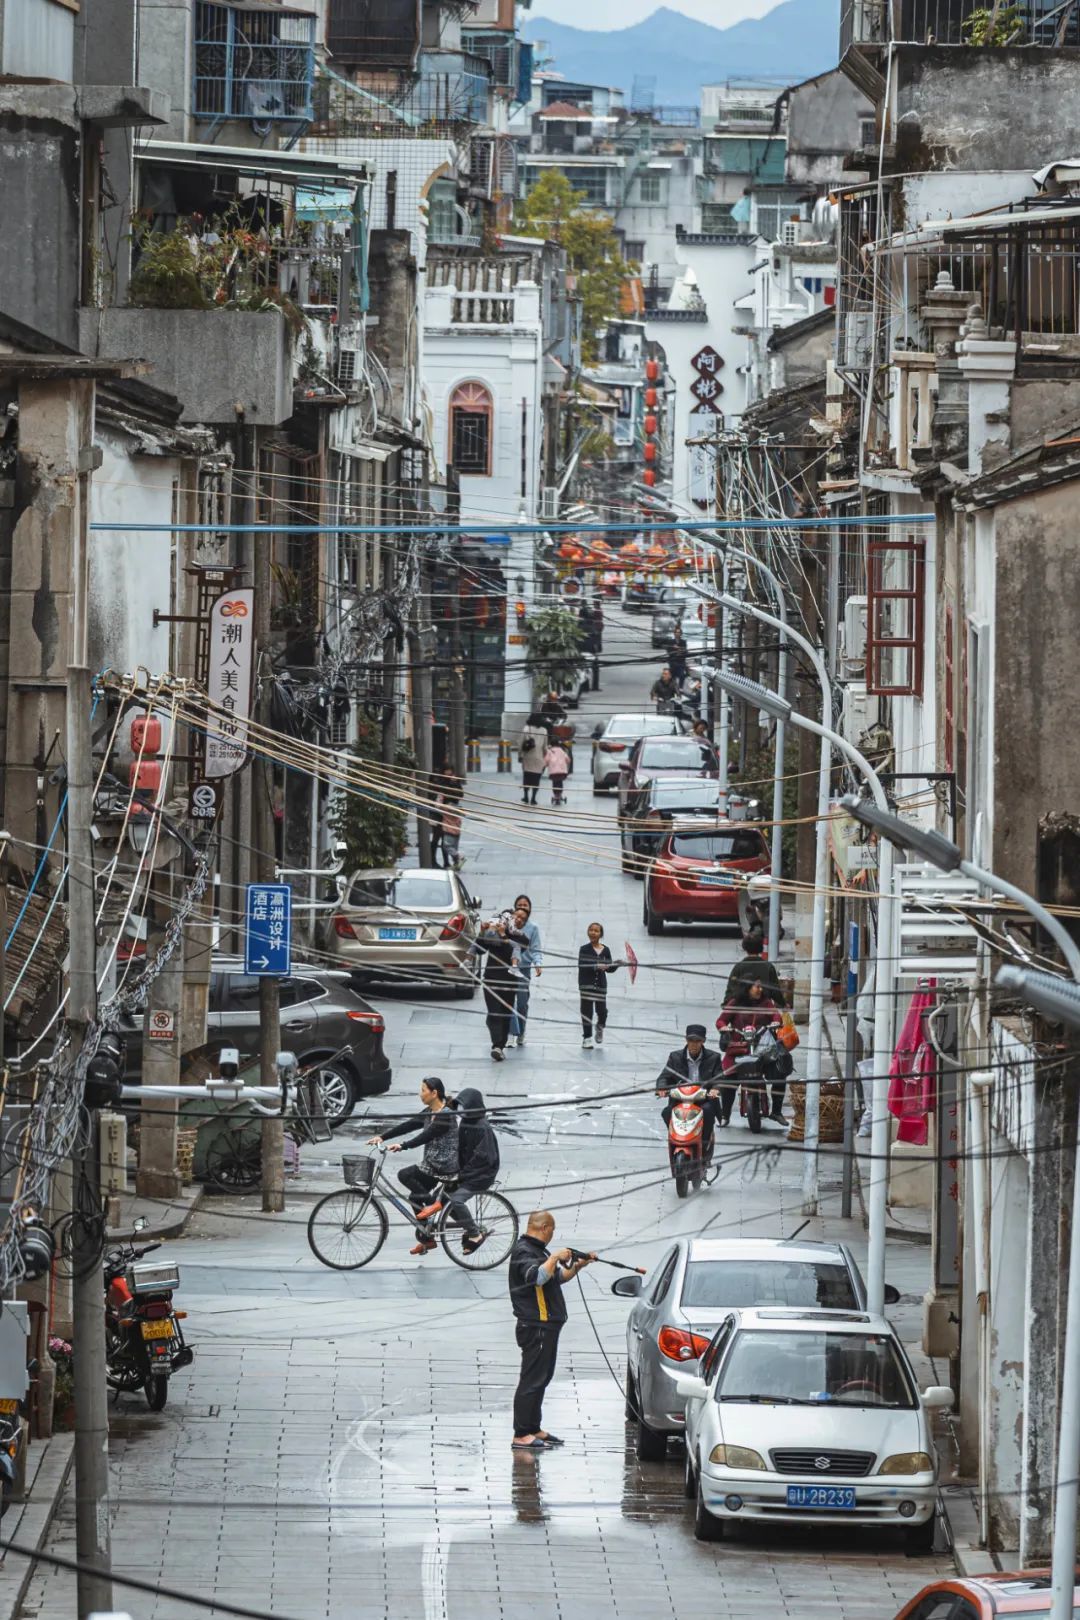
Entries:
{"x":445,"y":102}
{"x":253,"y":64}
{"x":956,"y":22}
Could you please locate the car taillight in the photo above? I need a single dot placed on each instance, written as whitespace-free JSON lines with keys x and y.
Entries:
{"x":156,"y":1309}
{"x":343,"y":928}
{"x":612,"y":748}
{"x":662,"y":869}
{"x":453,"y":927}
{"x":679,"y":1345}
{"x":374,"y":1021}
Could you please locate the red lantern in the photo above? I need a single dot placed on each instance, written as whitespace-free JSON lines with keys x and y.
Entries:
{"x":650,"y":452}
{"x":652,"y":370}
{"x":650,"y":425}
{"x":652,"y":399}
{"x":649,"y":476}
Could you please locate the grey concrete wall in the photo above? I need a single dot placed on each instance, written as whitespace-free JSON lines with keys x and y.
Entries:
{"x":223,"y":365}
{"x":949,"y":101}
{"x":1036,"y":674}
{"x":807,"y":357}
{"x":824,"y":125}
{"x":39,"y":181}
{"x":165,"y":60}
{"x":392,"y":279}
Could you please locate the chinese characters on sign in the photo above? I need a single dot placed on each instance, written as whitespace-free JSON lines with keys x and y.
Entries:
{"x":707,"y":387}
{"x":707,"y":362}
{"x":232,"y":639}
{"x":268,"y":934}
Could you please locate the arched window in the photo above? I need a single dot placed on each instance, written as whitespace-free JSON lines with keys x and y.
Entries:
{"x":471,"y":412}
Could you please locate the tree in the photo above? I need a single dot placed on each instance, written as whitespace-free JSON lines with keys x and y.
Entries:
{"x":373,"y":828}
{"x":555,"y":211}
{"x":555,"y":648}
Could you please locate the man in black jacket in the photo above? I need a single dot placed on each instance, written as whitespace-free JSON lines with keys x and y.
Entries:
{"x":694,"y":1064}
{"x":536,"y":1278}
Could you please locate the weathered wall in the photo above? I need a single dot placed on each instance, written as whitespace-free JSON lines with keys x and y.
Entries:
{"x":130,"y":574}
{"x":1036,"y":673}
{"x":948,"y":105}
{"x":392,"y":279}
{"x":805,"y":358}
{"x":824,"y":124}
{"x":39,"y":181}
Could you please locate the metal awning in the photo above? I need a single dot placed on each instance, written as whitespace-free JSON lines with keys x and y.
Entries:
{"x":535,"y":160}
{"x":366,"y":452}
{"x":307,"y":168}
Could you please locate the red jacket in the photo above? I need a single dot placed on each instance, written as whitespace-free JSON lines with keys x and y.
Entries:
{"x":743,"y":1020}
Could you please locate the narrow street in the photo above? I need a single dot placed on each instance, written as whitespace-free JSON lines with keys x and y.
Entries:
{"x":340,"y":1447}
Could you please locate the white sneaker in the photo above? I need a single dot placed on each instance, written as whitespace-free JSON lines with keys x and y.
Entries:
{"x":599,"y":1037}
{"x":521,"y":1040}
{"x":587,"y":1044}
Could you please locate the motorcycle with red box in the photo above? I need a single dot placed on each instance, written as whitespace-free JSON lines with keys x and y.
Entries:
{"x":144,"y":1343}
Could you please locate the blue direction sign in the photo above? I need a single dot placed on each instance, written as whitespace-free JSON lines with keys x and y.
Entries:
{"x":268,"y":935}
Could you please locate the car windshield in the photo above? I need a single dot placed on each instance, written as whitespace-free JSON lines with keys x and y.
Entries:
{"x":694,"y":796}
{"x":639,"y":725}
{"x":409,"y":891}
{"x":678,"y":753}
{"x":730,"y":1284}
{"x":718,"y":846}
{"x":811,"y":1369}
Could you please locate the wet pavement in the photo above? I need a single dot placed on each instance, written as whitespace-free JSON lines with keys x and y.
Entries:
{"x":341,"y":1446}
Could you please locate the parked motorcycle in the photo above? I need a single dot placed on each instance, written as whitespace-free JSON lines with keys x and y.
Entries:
{"x":686,"y":1137}
{"x":13,"y":1431}
{"x":144,"y":1343}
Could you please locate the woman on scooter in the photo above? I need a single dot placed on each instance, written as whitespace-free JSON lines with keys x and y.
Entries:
{"x":751,"y":1008}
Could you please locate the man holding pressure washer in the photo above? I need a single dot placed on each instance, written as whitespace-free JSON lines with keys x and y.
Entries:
{"x":536,"y":1295}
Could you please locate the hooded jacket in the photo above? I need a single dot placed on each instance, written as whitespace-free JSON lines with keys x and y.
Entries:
{"x":478,"y":1146}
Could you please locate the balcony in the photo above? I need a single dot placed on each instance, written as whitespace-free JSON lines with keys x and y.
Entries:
{"x":444,"y":100}
{"x":383,"y":35}
{"x":876,"y":23}
{"x":253,"y":64}
{"x":509,"y":59}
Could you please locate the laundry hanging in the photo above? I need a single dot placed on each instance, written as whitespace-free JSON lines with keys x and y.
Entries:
{"x":913,"y":1069}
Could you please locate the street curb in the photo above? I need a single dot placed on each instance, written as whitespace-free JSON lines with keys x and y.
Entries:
{"x":29,"y":1524}
{"x":902,"y":1234}
{"x":963,"y":1522}
{"x":172,"y":1223}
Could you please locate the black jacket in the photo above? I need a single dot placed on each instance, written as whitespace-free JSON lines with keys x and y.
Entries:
{"x":498,"y":952}
{"x":754,"y":969}
{"x":437,"y":1135}
{"x":710,"y":1069}
{"x":531,"y":1301}
{"x":593,"y":968}
{"x":478,"y":1146}
{"x":664,"y":690}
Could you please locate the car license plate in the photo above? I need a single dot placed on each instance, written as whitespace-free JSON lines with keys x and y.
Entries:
{"x":828,"y":1498}
{"x":7,"y":1405}
{"x":716,"y":880}
{"x":158,"y":1330}
{"x":397,"y":933}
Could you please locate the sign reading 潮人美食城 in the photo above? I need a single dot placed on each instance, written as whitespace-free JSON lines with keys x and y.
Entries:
{"x":232,"y":645}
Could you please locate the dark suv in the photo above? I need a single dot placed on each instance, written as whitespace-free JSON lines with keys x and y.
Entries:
{"x":322,"y":1018}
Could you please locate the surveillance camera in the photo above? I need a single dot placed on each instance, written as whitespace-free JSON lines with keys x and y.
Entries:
{"x":229,"y":1062}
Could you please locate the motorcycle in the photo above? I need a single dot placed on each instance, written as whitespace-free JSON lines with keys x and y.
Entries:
{"x":13,"y":1431}
{"x":761,"y":1059}
{"x":144,"y":1343}
{"x":686,"y":1137}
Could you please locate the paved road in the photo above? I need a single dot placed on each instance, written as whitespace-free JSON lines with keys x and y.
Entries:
{"x":341,"y":1446}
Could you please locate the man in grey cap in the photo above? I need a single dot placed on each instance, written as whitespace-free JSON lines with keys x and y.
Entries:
{"x":694,"y":1065}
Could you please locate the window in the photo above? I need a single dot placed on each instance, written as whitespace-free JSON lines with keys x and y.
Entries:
{"x":894,"y":620}
{"x":663,"y":1281}
{"x":684,"y":752}
{"x":716,"y":1284}
{"x":411,"y":891}
{"x":716,"y":219}
{"x":855,"y":1369}
{"x":650,"y":188}
{"x":712,"y":1355}
{"x":470,"y":430}
{"x":720,"y":846}
{"x":635,"y":251}
{"x":593,"y":182}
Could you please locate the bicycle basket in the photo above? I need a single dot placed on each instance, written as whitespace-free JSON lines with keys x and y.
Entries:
{"x":359,"y":1169}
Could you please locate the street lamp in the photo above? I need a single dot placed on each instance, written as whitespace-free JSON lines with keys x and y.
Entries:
{"x":1058,"y":1000}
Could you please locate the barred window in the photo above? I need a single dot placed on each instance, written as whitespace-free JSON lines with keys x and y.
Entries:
{"x":470,"y":429}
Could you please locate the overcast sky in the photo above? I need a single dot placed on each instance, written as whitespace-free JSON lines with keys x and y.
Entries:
{"x":624,"y":13}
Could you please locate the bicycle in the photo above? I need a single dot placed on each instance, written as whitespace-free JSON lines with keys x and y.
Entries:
{"x":347,"y":1228}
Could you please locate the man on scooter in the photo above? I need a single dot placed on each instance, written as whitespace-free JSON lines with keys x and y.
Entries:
{"x":693,"y":1065}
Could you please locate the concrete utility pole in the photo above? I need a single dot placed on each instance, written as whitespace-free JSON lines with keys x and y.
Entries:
{"x":92,"y":1536}
{"x":420,"y":652}
{"x":264,"y":862}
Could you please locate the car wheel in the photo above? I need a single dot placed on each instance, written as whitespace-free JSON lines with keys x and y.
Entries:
{"x":630,"y":1399}
{"x":653,"y":925}
{"x":337,"y":1089}
{"x":648,"y":1444}
{"x":624,"y":859}
{"x":689,"y":1488}
{"x":596,"y":792}
{"x":919,"y":1540}
{"x":706,"y":1527}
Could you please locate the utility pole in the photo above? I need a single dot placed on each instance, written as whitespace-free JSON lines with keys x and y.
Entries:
{"x":264,"y":863}
{"x":420,"y":636}
{"x":92,"y":1536}
{"x":456,"y":712}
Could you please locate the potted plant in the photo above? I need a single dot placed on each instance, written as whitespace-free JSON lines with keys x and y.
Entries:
{"x":64,"y":1385}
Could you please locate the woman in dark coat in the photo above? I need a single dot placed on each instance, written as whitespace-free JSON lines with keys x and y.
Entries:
{"x":498,"y":940}
{"x":595,"y":964}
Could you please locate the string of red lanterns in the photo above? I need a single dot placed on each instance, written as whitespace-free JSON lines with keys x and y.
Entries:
{"x":650,"y":423}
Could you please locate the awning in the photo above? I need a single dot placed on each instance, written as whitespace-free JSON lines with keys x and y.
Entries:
{"x":365,"y":452}
{"x":307,"y":168}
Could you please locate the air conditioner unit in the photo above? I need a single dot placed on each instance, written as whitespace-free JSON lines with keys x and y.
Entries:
{"x":350,"y":356}
{"x":855,"y":339}
{"x":858,"y":711}
{"x":853,"y":652}
{"x":789,"y":232}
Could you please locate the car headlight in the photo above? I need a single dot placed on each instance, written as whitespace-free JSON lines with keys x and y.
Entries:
{"x":907,"y":1462}
{"x":735,"y":1457}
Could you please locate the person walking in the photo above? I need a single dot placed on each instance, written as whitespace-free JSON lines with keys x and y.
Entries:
{"x":677,"y":654}
{"x":557,"y":763}
{"x":449,"y":790}
{"x":750,"y":1009}
{"x":598,"y":626}
{"x":527,"y":961}
{"x":450,"y":826}
{"x":595,"y":964}
{"x":533,"y":746}
{"x":498,"y":940}
{"x":552,"y":712}
{"x":437,"y":1133}
{"x":536,"y":1280}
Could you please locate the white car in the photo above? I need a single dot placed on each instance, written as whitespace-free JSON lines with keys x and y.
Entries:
{"x":810,"y":1416}
{"x":612,"y":744}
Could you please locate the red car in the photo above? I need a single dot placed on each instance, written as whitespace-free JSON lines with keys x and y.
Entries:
{"x":694,"y":876}
{"x":664,"y":756}
{"x":1024,"y":1596}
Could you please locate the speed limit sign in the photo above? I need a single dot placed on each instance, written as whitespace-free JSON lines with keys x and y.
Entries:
{"x":204,"y":800}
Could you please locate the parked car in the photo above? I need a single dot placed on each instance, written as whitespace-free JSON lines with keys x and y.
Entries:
{"x":810,"y":1417}
{"x":1024,"y":1596}
{"x":408,"y":925}
{"x":696,"y":1284}
{"x":641,"y":596}
{"x":615,"y":740}
{"x":677,"y":604}
{"x":652,"y":811}
{"x":696,"y":874}
{"x":323,"y":1021}
{"x":664,"y":756}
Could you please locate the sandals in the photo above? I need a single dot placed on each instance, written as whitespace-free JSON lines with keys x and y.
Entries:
{"x":469,"y":1245}
{"x":528,"y":1445}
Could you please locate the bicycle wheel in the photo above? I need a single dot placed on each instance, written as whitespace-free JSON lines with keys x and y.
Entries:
{"x":497,"y":1219}
{"x":234,"y":1163}
{"x":346,"y":1229}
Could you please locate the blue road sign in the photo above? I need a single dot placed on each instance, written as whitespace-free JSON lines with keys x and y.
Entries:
{"x":268,"y":934}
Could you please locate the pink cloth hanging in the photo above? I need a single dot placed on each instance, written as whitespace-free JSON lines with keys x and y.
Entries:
{"x":913,"y":1070}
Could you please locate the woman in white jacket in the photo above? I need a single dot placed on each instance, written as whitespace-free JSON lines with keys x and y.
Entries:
{"x":531,"y":750}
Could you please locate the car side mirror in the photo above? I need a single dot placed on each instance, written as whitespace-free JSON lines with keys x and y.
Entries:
{"x":938,"y":1398}
{"x":892,"y":1294}
{"x":628,"y":1287}
{"x":691,"y":1389}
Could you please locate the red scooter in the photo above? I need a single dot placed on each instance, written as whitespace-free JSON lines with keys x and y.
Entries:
{"x":686,"y":1137}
